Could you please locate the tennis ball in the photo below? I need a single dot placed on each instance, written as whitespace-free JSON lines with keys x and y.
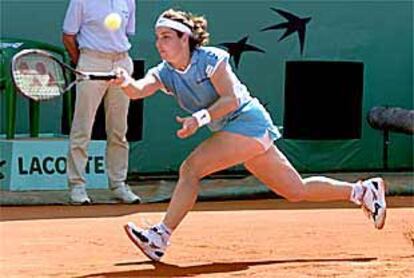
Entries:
{"x":113,"y":21}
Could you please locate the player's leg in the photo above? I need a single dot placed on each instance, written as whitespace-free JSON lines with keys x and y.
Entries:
{"x":219,"y":152}
{"x":274,"y":170}
{"x":88,"y":97}
{"x":117,"y":148}
{"x":222,"y":150}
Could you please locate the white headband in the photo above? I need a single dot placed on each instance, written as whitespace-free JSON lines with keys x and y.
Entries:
{"x":169,"y":23}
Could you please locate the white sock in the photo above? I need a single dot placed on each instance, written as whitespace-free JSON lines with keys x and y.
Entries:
{"x":164,"y":229}
{"x":357,"y":193}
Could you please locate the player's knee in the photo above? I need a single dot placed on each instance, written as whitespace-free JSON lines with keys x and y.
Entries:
{"x":294,"y":198}
{"x":189,"y":171}
{"x":295,"y":195}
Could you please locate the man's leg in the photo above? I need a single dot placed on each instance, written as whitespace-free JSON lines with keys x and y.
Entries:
{"x":117,"y":150}
{"x":89,"y":95}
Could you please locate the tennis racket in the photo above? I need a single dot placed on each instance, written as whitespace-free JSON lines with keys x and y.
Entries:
{"x":39,"y":75}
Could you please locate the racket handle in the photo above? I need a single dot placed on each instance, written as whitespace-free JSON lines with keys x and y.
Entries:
{"x":102,"y":77}
{"x":99,"y":75}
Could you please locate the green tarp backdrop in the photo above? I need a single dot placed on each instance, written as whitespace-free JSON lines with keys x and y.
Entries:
{"x":378,"y":34}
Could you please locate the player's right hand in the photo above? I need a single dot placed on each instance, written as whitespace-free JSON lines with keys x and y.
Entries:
{"x":121,"y":76}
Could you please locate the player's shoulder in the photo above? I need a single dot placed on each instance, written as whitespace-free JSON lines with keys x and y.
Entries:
{"x":164,"y":66}
{"x":159,"y":66}
{"x":211,"y":58}
{"x":211,"y":52}
{"x":160,"y":70}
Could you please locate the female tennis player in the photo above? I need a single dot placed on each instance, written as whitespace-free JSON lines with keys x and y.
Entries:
{"x":202,"y":81}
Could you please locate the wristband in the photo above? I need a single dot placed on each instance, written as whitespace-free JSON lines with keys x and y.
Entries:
{"x":202,"y":117}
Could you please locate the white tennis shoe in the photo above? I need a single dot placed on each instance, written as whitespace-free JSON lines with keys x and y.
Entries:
{"x":78,"y":195}
{"x":125,"y":194}
{"x":152,"y":242}
{"x":373,"y":201}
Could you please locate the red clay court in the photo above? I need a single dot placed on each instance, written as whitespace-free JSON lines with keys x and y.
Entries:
{"x":260,"y":238}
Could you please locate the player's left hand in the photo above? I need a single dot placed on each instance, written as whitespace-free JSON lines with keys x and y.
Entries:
{"x":188,"y":128}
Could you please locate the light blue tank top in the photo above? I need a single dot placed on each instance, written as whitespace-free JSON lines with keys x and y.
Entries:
{"x":194,"y":91}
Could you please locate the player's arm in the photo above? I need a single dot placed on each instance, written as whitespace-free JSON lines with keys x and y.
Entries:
{"x":224,"y":85}
{"x":136,"y":89}
{"x":227,"y":103}
{"x":71,"y":45}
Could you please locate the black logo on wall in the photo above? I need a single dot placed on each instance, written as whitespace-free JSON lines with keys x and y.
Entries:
{"x":235,"y":49}
{"x":292,"y":25}
{"x":2,"y":163}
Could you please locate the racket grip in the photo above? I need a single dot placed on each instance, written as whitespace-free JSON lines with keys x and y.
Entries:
{"x":102,"y":77}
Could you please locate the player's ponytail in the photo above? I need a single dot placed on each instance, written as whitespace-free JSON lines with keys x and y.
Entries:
{"x":200,"y":34}
{"x":197,"y":24}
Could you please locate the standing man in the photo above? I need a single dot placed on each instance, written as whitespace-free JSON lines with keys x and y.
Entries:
{"x":95,"y":35}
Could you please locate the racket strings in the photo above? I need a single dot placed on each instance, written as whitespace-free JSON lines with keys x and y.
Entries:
{"x":39,"y":77}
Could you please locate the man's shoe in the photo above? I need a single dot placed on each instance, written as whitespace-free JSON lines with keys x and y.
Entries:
{"x":373,"y":201}
{"x":78,"y":195}
{"x":125,"y":194}
{"x":152,"y":242}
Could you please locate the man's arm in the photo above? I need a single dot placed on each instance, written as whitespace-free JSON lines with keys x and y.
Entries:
{"x":71,"y":45}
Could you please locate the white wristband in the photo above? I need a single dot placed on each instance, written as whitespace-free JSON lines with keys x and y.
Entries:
{"x":202,"y":117}
{"x":127,"y":81}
